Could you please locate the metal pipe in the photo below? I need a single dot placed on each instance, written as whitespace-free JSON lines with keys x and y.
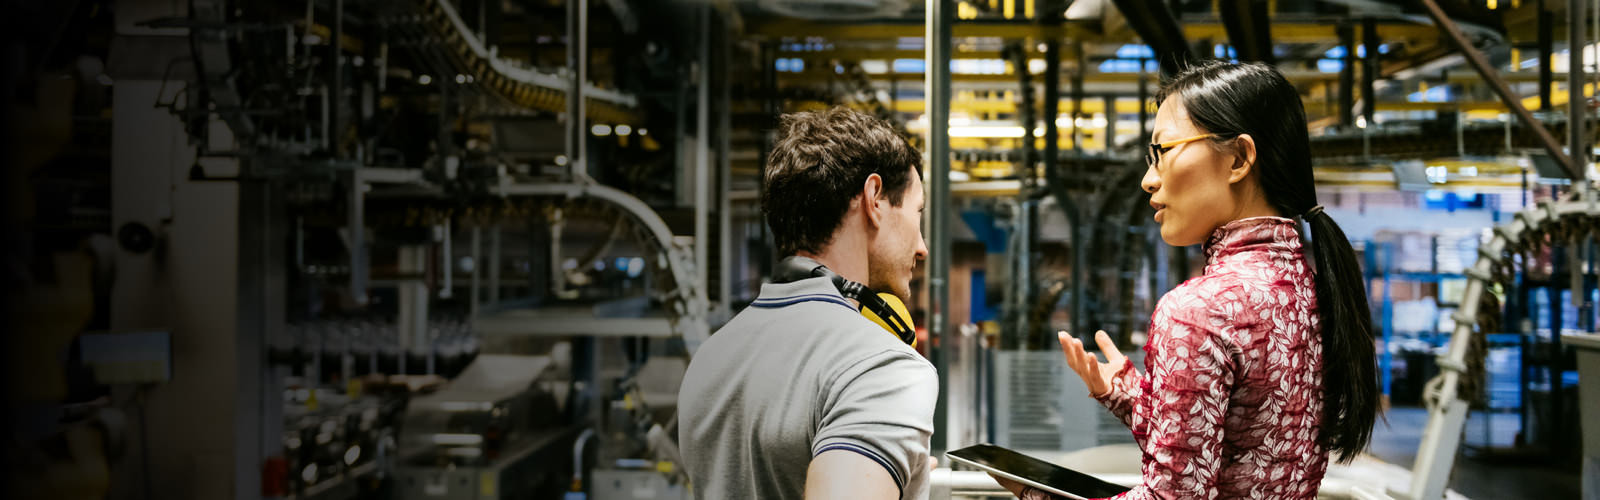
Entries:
{"x":1052,"y":106}
{"x":1511,"y":100}
{"x":1369,"y":79}
{"x":1577,"y":114}
{"x":1369,"y":70}
{"x":336,"y":94}
{"x":1347,"y":76}
{"x":1052,"y":155}
{"x":702,"y":154}
{"x":1083,"y":227}
{"x":1022,"y":288}
{"x":1027,"y":117}
{"x":724,"y":169}
{"x":1144,"y":103}
{"x":1111,"y":124}
{"x":937,"y":35}
{"x":356,"y":227}
{"x":445,"y":266}
{"x":494,"y":265}
{"x":578,"y":73}
{"x":1078,"y":70}
{"x":1547,"y":52}
{"x":477,"y":264}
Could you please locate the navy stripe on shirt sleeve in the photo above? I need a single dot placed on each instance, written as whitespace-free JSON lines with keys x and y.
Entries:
{"x":899,"y":482}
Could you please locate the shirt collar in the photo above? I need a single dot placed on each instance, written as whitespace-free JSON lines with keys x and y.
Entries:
{"x":806,"y":290}
{"x":1254,"y":233}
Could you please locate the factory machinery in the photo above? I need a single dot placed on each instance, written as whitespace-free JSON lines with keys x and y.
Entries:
{"x":482,"y":300}
{"x":492,"y":241}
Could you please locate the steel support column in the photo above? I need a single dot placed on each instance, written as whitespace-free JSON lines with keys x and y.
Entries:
{"x":1369,"y":70}
{"x":336,"y":92}
{"x":937,"y":37}
{"x":1111,"y":124}
{"x":1144,"y":103}
{"x":1083,"y":224}
{"x":1511,"y":100}
{"x":1577,"y":113}
{"x":702,"y":153}
{"x":1156,"y":25}
{"x":1248,"y":25}
{"x":1052,"y":106}
{"x":724,"y":168}
{"x":1369,"y":87}
{"x":1021,"y":256}
{"x":1547,"y":51}
{"x":577,"y":73}
{"x":1347,"y":76}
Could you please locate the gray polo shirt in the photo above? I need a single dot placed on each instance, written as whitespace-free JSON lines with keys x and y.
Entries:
{"x":798,"y":373}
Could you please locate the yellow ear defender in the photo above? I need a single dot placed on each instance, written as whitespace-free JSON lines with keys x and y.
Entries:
{"x":898,"y":320}
{"x":885,"y":309}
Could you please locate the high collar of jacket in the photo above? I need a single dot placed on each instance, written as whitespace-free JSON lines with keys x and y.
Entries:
{"x":1255,"y":234}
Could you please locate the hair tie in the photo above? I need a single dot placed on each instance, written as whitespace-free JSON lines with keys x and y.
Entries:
{"x":1315,"y":211}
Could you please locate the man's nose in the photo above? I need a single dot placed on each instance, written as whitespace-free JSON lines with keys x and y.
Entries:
{"x":922,"y":248}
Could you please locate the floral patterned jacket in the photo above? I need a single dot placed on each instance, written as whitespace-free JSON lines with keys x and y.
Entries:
{"x":1231,"y":399}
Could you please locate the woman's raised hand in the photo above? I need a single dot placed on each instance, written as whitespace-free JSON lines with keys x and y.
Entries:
{"x":1095,"y":374}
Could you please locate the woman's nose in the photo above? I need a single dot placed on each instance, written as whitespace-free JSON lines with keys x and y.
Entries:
{"x":1151,"y":181}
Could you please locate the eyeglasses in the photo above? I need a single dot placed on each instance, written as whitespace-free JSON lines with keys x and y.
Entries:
{"x":1152,"y":156}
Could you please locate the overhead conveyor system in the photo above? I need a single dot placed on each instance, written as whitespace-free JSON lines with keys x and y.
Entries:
{"x":467,"y":55}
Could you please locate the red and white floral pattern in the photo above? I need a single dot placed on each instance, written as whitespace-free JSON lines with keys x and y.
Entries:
{"x":1231,"y":401}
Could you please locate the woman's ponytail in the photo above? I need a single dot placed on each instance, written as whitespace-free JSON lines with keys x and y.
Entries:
{"x":1349,"y":371}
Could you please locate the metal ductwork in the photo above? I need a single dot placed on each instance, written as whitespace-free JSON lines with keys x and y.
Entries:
{"x":835,"y":9}
{"x":1159,"y":29}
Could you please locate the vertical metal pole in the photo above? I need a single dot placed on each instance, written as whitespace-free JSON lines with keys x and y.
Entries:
{"x":1052,"y":106}
{"x":1027,"y":117}
{"x":477,"y":265}
{"x":446,"y":267}
{"x":1083,"y":227}
{"x":1369,"y":70}
{"x":356,"y":226}
{"x":702,"y":153}
{"x":724,"y":169}
{"x":578,"y":73}
{"x":1369,"y":78}
{"x":413,"y":301}
{"x":1577,"y":147}
{"x":1021,"y":256}
{"x":769,"y":112}
{"x":1052,"y":152}
{"x":445,"y":138}
{"x":1081,"y":61}
{"x":937,"y":38}
{"x":494,"y":265}
{"x":1111,"y":124}
{"x":336,"y":93}
{"x":1144,"y":103}
{"x":1547,"y":35}
{"x":1347,"y":76}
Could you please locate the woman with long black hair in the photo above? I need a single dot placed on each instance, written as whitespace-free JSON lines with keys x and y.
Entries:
{"x":1261,"y":368}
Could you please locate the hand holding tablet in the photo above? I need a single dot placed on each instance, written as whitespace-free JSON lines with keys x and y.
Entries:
{"x":1033,"y":472}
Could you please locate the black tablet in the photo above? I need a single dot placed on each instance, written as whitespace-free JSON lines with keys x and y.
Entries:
{"x":1034,"y":472}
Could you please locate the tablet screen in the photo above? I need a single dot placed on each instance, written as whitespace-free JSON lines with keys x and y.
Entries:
{"x":1039,"y":473}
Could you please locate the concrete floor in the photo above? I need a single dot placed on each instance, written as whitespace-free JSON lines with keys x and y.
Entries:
{"x":1484,"y":477}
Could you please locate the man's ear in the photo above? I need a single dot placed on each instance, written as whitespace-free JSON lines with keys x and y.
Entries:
{"x":1245,"y":151}
{"x":873,"y":202}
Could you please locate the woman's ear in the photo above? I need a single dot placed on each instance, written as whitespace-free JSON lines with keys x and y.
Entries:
{"x":1245,"y":151}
